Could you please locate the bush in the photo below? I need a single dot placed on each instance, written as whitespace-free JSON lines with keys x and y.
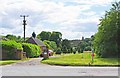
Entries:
{"x":8,"y":49}
{"x":64,"y":49}
{"x":31,"y":50}
{"x":81,"y":51}
{"x":74,"y":52}
{"x":88,"y":48}
{"x":58,"y":51}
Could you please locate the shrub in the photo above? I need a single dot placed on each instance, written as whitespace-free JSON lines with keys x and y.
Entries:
{"x":31,"y":50}
{"x":8,"y":49}
{"x":81,"y":51}
{"x":58,"y":51}
{"x":88,"y":48}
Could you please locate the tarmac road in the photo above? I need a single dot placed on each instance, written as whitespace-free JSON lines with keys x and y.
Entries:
{"x":35,"y":68}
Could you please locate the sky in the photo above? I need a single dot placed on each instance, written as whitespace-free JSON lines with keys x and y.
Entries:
{"x":73,"y":18}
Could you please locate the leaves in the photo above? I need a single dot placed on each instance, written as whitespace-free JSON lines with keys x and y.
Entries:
{"x":31,"y":50}
{"x":105,"y":40}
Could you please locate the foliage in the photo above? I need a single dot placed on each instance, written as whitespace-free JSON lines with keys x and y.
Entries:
{"x":58,"y":51}
{"x":47,"y":43}
{"x":31,"y":50}
{"x":74,"y":49}
{"x":106,"y":40}
{"x":71,"y":50}
{"x":64,"y":49}
{"x":14,"y":38}
{"x":56,"y":37}
{"x":10,"y":44}
{"x":53,"y":45}
{"x":88,"y":48}
{"x":9,"y":47}
{"x":50,"y":45}
{"x":44,"y":35}
{"x":81,"y":46}
{"x":66,"y":46}
{"x":11,"y":37}
{"x":84,"y":44}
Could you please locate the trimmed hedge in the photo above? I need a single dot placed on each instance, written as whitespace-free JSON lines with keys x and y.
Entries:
{"x":9,"y":47}
{"x":31,"y":50}
{"x":11,"y":44}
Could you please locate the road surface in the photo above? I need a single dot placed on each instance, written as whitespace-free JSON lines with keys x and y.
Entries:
{"x":35,"y":68}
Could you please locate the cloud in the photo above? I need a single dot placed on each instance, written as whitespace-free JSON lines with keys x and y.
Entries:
{"x":74,"y":18}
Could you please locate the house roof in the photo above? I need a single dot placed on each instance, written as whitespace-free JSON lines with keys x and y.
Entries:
{"x":37,"y":41}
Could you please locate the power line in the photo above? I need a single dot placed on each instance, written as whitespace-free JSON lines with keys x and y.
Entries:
{"x":24,"y":23}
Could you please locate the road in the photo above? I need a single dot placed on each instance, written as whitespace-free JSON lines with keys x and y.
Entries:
{"x":35,"y":68}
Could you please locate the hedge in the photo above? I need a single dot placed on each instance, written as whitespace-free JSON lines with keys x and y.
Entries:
{"x":31,"y":50}
{"x":9,"y":47}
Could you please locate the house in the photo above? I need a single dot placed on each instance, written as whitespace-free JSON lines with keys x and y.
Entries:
{"x":36,"y":41}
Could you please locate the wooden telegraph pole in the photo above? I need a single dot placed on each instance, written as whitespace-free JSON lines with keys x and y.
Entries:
{"x":24,"y":23}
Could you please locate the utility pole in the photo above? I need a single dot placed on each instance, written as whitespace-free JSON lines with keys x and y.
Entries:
{"x":24,"y":23}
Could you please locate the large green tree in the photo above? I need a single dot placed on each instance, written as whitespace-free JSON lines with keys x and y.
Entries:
{"x":56,"y":37}
{"x":106,"y":40}
{"x":50,"y":45}
{"x":66,"y":46}
{"x":44,"y":35}
{"x":13,"y":37}
{"x":81,"y":46}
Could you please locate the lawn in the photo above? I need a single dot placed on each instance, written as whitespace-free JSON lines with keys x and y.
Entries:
{"x":5,"y":62}
{"x":82,"y":59}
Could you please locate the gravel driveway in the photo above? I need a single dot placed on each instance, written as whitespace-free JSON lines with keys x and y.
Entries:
{"x":33,"y":61}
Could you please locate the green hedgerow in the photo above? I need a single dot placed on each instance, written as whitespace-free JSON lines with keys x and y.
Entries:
{"x":9,"y":47}
{"x":31,"y":50}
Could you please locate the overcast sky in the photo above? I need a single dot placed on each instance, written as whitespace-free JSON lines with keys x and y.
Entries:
{"x":73,"y":18}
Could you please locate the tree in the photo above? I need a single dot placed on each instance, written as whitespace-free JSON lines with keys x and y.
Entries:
{"x":66,"y":43}
{"x":74,"y":49}
{"x":71,"y":50}
{"x":50,"y":45}
{"x":11,"y":37}
{"x":58,"y":51}
{"x":106,"y":40}
{"x":82,"y":46}
{"x":64,"y":49}
{"x":56,"y":37}
{"x":53,"y":46}
{"x":44,"y":35}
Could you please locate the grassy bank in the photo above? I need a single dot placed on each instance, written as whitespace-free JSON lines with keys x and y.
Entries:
{"x":83,"y":59}
{"x":5,"y":62}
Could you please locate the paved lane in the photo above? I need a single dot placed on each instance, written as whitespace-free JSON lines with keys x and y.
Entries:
{"x":33,"y":68}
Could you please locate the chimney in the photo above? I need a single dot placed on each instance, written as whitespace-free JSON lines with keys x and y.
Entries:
{"x":33,"y":34}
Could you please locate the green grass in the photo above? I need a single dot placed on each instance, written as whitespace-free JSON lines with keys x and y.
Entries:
{"x":5,"y":62}
{"x":83,"y":59}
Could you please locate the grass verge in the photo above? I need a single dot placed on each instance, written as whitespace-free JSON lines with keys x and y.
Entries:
{"x":5,"y":62}
{"x":83,"y":59}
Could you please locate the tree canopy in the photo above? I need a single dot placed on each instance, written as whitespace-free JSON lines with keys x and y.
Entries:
{"x":44,"y":35}
{"x":107,"y":38}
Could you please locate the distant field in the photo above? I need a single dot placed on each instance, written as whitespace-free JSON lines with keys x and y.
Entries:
{"x":83,"y":59}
